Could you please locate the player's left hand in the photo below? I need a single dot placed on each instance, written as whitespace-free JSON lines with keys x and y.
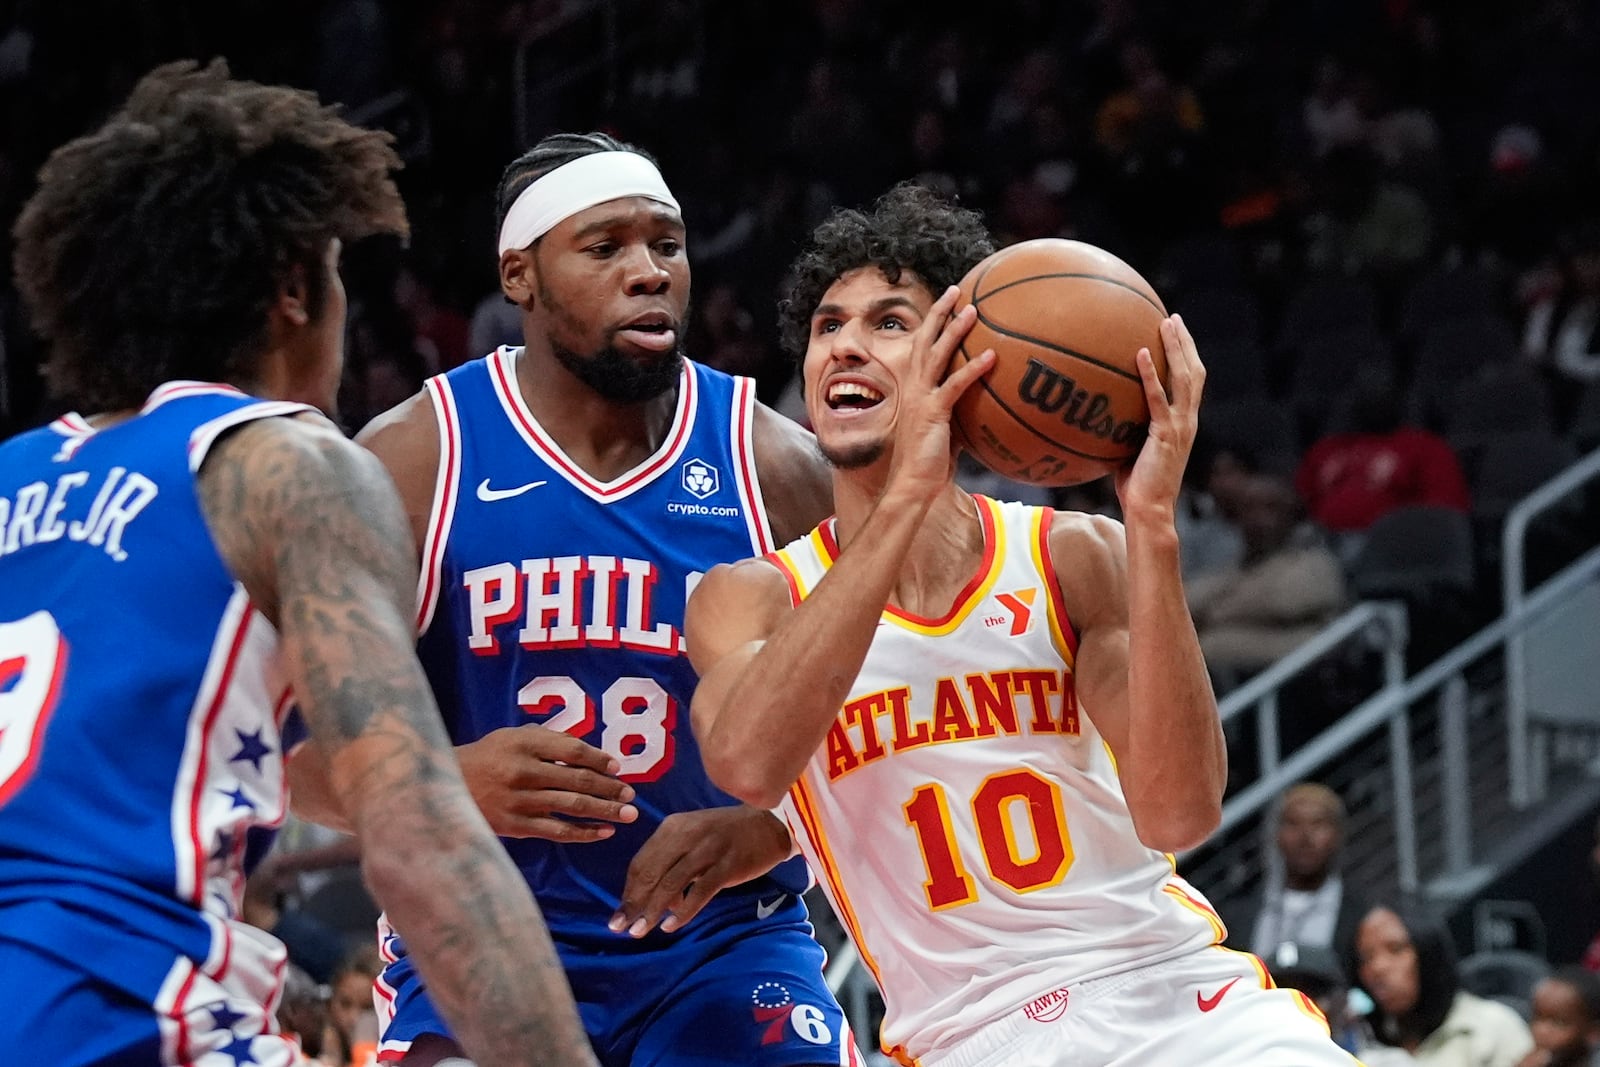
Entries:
{"x":1156,"y":476}
{"x":692,"y":857}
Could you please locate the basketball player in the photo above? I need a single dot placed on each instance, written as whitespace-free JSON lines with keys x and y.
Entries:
{"x":987,"y":721}
{"x":180,"y":564}
{"x":567,"y":495}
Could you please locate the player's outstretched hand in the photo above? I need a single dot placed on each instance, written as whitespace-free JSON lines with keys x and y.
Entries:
{"x":692,"y":857}
{"x":1156,"y":477}
{"x":532,"y":782}
{"x":923,"y":452}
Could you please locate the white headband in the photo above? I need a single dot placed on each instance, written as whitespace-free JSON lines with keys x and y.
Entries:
{"x":578,"y":186}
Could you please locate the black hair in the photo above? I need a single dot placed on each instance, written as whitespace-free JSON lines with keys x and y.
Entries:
{"x":155,"y":246}
{"x":1438,"y":979}
{"x":554,"y":151}
{"x":909,"y":228}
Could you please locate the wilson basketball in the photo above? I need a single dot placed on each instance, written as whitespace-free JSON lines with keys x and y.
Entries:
{"x":1064,"y":403}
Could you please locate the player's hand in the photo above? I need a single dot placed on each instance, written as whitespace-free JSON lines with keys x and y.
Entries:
{"x":692,"y":857}
{"x":532,"y":782}
{"x":924,"y":452}
{"x":1154,"y":480}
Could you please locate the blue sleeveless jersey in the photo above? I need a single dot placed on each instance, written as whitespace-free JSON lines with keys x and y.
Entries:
{"x":550,"y":598}
{"x":141,"y":700}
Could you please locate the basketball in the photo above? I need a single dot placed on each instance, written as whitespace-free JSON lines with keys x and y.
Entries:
{"x":1064,"y":403}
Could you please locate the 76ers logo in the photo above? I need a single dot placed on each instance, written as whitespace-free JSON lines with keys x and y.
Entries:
{"x":774,"y":1008}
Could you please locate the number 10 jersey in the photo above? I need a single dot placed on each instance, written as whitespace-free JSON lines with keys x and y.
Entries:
{"x":964,"y":817}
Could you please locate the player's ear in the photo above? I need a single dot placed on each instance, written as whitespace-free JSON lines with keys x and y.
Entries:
{"x":519,"y":277}
{"x":293,"y":301}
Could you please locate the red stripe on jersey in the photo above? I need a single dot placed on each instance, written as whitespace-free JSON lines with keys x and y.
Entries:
{"x":1053,"y":585}
{"x":450,"y":461}
{"x":747,"y":464}
{"x":219,"y":698}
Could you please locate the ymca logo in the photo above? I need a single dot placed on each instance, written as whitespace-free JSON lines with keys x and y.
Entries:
{"x":1015,"y":612}
{"x":700,"y":478}
{"x":773,"y":1006}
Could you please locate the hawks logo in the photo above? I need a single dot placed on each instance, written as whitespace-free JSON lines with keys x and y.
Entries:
{"x":1047,"y":1008}
{"x":774,"y":1008}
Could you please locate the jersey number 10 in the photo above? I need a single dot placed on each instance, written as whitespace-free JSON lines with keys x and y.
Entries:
{"x":994,"y":805}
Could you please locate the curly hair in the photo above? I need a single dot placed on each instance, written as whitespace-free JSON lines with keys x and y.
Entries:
{"x":909,"y":228}
{"x":155,"y":246}
{"x":554,"y":151}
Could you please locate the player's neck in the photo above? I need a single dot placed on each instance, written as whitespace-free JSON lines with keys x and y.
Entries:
{"x":944,"y":556}
{"x":606,"y":438}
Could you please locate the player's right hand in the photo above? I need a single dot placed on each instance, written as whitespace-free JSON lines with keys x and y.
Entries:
{"x":532,"y":782}
{"x":924,"y":452}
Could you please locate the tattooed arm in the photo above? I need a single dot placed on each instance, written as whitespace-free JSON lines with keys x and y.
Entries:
{"x":310,"y":524}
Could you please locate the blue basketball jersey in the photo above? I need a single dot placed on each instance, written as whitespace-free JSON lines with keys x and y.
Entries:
{"x":141,"y":698}
{"x":548,"y":597}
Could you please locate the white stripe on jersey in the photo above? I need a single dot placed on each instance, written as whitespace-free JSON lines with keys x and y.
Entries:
{"x":446,"y":491}
{"x":744,"y":465}
{"x":965,"y":819}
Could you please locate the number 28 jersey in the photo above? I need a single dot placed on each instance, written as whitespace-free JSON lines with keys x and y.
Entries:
{"x":964,"y":817}
{"x":548,"y":597}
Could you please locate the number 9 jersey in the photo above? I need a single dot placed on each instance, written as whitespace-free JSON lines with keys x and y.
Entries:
{"x":964,"y":817}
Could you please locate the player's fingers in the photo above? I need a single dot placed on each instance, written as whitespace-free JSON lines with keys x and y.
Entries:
{"x":576,"y":806}
{"x":1154,"y":395}
{"x":645,"y":903}
{"x":574,"y":780}
{"x":699,"y":894}
{"x":963,"y":377}
{"x":948,"y":339}
{"x":1189,"y":353}
{"x":510,"y":824}
{"x":564,"y":748}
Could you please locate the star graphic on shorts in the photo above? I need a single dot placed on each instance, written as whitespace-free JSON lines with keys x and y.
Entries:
{"x":236,"y":794}
{"x":224,"y":1017}
{"x":239,"y":1049}
{"x":251,"y":748}
{"x":224,"y":848}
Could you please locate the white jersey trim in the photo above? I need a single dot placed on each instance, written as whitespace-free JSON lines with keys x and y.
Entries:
{"x":205,"y":435}
{"x":446,"y":491}
{"x":745,"y":470}
{"x":503,"y":374}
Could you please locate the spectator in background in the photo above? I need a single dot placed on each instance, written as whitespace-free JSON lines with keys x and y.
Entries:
{"x":1566,"y":1020}
{"x":350,"y":1006}
{"x":1303,"y":902}
{"x":1364,"y":221}
{"x":1405,"y":961}
{"x":1349,"y":479}
{"x":1562,"y":329}
{"x":1316,"y":972}
{"x":303,"y":1018}
{"x":1284,"y":589}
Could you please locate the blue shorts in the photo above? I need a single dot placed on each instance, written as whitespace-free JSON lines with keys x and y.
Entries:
{"x":120,"y":1000}
{"x":731,"y":990}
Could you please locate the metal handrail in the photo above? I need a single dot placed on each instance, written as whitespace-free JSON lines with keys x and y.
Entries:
{"x":1387,"y":702}
{"x":1513,"y":561}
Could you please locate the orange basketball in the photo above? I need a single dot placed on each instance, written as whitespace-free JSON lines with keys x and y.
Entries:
{"x":1064,"y":403}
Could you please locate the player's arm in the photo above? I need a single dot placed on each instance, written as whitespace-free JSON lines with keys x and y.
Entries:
{"x":528,"y":781}
{"x":772,"y":680}
{"x":1140,"y":674}
{"x":310,"y":524}
{"x":796,"y":482}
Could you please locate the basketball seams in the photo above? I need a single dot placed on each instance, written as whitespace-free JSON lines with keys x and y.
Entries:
{"x":1065,"y":351}
{"x":976,"y":297}
{"x":1018,"y":420}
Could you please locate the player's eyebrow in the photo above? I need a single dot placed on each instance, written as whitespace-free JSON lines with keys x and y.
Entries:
{"x":877,"y":307}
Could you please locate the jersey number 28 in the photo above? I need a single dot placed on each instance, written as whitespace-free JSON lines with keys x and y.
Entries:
{"x":636,"y":715}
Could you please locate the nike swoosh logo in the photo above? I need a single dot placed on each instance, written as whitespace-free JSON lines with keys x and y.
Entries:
{"x":1207,"y":1003}
{"x":489,"y":496}
{"x":765,"y":910}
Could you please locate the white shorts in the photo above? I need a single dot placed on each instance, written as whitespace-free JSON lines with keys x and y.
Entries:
{"x":1212,"y":1008}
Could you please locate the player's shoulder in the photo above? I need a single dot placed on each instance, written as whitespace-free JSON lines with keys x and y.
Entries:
{"x":796,"y":481}
{"x":406,"y":440}
{"x":1089,"y":555}
{"x":755,"y":579}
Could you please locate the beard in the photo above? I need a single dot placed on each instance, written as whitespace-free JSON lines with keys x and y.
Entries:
{"x":853,"y":457}
{"x":620,"y":378}
{"x":610,"y":372}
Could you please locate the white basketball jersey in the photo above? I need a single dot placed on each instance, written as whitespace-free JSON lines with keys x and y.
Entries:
{"x":964,"y":817}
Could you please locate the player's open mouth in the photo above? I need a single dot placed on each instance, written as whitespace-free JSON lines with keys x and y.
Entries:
{"x":654,"y":332}
{"x":853,"y":396}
